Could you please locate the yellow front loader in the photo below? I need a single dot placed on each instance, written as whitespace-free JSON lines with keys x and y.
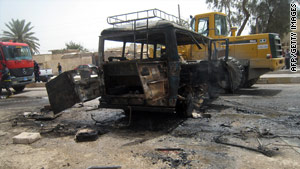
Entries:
{"x":252,"y":55}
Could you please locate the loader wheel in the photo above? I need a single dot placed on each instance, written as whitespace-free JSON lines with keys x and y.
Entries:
{"x":250,"y":83}
{"x":236,"y":72}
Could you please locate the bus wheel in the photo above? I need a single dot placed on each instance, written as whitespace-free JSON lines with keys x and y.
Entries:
{"x":19,"y":88}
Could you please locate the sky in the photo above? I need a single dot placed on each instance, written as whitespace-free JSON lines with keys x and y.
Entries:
{"x":57,"y":22}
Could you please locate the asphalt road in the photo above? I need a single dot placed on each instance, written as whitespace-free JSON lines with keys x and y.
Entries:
{"x":264,"y":118}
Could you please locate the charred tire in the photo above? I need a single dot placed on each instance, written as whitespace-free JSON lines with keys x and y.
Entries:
{"x":250,"y":83}
{"x":19,"y":88}
{"x":235,"y":74}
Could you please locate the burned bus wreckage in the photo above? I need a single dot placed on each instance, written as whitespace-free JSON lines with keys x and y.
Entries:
{"x":151,"y":78}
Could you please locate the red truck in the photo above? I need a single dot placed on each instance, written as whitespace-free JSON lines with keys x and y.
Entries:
{"x":18,"y":59}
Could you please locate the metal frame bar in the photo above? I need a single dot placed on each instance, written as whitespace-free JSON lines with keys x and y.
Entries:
{"x":226,"y":48}
{"x":149,"y":14}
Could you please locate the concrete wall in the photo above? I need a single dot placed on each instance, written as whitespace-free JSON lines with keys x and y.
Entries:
{"x":68,"y":61}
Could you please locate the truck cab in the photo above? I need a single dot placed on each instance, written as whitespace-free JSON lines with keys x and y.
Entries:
{"x":18,"y":59}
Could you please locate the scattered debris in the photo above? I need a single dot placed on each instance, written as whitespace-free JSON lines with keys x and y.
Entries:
{"x":285,"y":145}
{"x":259,"y":142}
{"x":86,"y":135}
{"x":196,"y":115}
{"x":225,"y":125}
{"x":106,"y":167}
{"x":177,"y":160}
{"x":66,"y":165}
{"x":59,"y":130}
{"x":26,"y":138}
{"x":267,"y":134}
{"x":14,"y":123}
{"x":246,"y":111}
{"x":139,"y":141}
{"x":27,"y":114}
{"x":168,"y":149}
{"x":260,"y":149}
{"x":43,"y":115}
{"x":290,"y":144}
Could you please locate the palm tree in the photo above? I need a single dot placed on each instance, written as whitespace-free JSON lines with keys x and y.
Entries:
{"x":20,"y":32}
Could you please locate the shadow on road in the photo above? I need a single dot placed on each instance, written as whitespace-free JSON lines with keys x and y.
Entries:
{"x":112,"y":121}
{"x":257,"y":92}
{"x":155,"y":121}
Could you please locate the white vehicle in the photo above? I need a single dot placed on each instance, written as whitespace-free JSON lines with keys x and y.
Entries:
{"x":45,"y":74}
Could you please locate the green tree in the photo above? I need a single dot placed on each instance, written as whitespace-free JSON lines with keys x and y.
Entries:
{"x":73,"y":45}
{"x":238,"y":11}
{"x":271,"y":16}
{"x":19,"y":31}
{"x":264,"y":16}
{"x":221,"y":5}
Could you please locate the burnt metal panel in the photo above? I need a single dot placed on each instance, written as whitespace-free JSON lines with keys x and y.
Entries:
{"x":153,"y":80}
{"x":194,"y":73}
{"x":88,"y":89}
{"x":64,"y":91}
{"x":174,"y":79}
{"x":61,"y":92}
{"x":173,"y":66}
{"x":122,"y":78}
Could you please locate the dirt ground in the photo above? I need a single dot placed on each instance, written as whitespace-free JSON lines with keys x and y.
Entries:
{"x":253,"y":128}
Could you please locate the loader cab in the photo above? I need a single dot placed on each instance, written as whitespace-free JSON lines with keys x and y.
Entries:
{"x":213,"y":24}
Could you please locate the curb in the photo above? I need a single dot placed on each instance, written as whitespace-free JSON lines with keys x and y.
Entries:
{"x":32,"y":85}
{"x":278,"y":80}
